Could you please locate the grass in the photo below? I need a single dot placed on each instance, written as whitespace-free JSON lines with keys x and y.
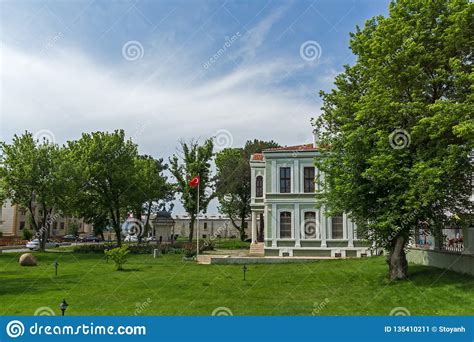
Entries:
{"x":231,"y":244}
{"x":170,"y":286}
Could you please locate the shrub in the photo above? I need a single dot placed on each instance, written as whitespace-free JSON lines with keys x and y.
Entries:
{"x":95,"y":248}
{"x":118,"y":255}
{"x":189,"y":250}
{"x":141,"y":249}
{"x":26,"y":235}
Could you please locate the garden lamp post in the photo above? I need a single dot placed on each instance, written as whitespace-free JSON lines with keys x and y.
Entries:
{"x":56,"y":264}
{"x":63,"y":306}
{"x":245,"y":270}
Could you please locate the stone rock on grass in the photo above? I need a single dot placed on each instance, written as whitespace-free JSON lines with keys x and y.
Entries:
{"x":28,"y":259}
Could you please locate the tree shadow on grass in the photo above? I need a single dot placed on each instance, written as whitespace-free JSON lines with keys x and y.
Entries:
{"x":436,"y":277}
{"x":34,"y":285}
{"x":125,"y":270}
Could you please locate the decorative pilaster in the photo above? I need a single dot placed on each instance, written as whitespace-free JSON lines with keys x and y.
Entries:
{"x":323,"y":222}
{"x":274,"y":224}
{"x":274,"y":176}
{"x":297,"y":228}
{"x":254,"y":227}
{"x":344,"y":226}
{"x":350,"y":233}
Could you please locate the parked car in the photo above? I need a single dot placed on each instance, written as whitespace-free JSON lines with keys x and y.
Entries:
{"x":35,"y":244}
{"x":89,"y":238}
{"x":131,"y":238}
{"x":70,"y":237}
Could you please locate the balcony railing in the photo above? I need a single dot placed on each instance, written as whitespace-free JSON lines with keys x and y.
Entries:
{"x":450,"y":240}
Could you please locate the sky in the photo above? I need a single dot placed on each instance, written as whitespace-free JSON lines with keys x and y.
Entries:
{"x":166,"y":71}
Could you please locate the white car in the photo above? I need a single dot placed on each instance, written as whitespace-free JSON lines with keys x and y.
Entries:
{"x":35,"y":244}
{"x":131,"y":238}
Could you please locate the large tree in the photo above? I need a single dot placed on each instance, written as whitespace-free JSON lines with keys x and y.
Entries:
{"x":195,"y":160}
{"x":33,"y":177}
{"x":103,"y":166}
{"x":398,"y":127}
{"x":233,"y":181}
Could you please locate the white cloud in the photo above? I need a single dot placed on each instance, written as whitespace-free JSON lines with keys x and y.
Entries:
{"x":257,"y":35}
{"x":70,"y":94}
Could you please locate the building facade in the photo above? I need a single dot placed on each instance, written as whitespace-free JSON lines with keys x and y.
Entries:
{"x":210,"y":226}
{"x":14,"y":220}
{"x":286,"y":219}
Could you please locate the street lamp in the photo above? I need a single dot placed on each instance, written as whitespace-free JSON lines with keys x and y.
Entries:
{"x":245,"y":270}
{"x":63,"y":306}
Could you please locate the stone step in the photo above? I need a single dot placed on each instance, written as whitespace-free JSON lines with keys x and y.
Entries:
{"x":257,"y":249}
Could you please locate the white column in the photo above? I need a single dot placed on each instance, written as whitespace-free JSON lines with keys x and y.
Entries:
{"x":323,"y":221}
{"x":297,"y":228}
{"x":274,"y":223}
{"x":350,"y":233}
{"x":344,"y":226}
{"x":254,"y":227}
{"x":296,"y":177}
{"x":274,"y":176}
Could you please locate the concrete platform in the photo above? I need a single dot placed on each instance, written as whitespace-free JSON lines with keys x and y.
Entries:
{"x":233,"y":260}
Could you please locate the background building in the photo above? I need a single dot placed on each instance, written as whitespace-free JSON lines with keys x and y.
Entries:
{"x":14,"y":220}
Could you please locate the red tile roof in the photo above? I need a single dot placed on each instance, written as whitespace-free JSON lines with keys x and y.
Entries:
{"x":305,"y":147}
{"x":296,"y":148}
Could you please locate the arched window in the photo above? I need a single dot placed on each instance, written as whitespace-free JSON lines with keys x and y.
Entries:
{"x":285,"y":225}
{"x":259,"y":186}
{"x":311,"y":230}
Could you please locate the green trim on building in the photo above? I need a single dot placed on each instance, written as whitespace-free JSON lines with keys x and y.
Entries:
{"x":312,"y":252}
{"x":361,"y":243}
{"x":285,"y":244}
{"x":351,"y":253}
{"x":309,"y":243}
{"x":342,"y":243}
{"x":272,"y":252}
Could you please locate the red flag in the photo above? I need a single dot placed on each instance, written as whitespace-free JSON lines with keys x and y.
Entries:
{"x":194,"y":182}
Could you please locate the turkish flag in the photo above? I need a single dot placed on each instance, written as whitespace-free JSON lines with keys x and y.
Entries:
{"x":194,"y":182}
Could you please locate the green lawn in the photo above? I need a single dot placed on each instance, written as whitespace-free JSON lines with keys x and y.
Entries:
{"x":170,"y":286}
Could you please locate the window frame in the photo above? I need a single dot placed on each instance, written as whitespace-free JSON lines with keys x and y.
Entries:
{"x":317,"y":233}
{"x":286,"y":181}
{"x":311,"y":180}
{"x":341,"y":216}
{"x":291,"y":217}
{"x":259,"y":186}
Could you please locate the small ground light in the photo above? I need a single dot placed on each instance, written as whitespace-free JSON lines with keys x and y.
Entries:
{"x":63,"y":306}
{"x":56,"y":264}
{"x":245,"y":270}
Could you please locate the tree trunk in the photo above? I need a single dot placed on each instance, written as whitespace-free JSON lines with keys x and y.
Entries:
{"x":243,"y":236}
{"x":397,"y":260}
{"x":147,"y":220}
{"x":191,"y":229}
{"x":118,"y":235}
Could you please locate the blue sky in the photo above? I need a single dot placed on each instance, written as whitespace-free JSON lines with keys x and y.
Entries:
{"x":171,"y":70}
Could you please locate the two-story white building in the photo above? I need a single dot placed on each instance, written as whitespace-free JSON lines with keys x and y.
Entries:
{"x":286,"y":220}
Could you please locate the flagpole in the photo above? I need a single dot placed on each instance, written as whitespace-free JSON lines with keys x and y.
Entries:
{"x":197,"y":221}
